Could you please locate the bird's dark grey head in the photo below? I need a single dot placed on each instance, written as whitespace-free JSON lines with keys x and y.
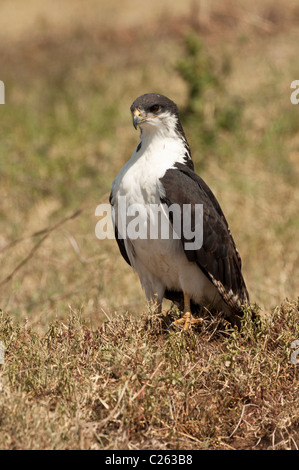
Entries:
{"x":157,"y":111}
{"x":154,"y":103}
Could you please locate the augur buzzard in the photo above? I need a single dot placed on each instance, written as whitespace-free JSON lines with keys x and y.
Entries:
{"x":161,"y":174}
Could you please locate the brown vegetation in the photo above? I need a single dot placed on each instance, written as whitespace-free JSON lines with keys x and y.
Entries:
{"x":87,"y":365}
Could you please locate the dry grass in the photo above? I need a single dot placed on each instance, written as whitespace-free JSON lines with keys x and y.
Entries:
{"x":133,"y":384}
{"x":72,"y":379}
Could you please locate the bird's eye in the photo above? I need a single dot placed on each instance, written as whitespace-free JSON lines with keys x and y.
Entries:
{"x":155,"y":108}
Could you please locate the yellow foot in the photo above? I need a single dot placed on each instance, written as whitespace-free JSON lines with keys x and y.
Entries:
{"x":187,"y":320}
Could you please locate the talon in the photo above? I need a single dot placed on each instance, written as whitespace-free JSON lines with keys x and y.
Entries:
{"x":187,"y":320}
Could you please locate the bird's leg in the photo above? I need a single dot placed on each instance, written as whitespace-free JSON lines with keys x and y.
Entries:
{"x":187,"y":319}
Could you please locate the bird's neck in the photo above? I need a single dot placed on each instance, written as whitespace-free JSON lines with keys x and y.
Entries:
{"x":150,"y":134}
{"x":162,"y":148}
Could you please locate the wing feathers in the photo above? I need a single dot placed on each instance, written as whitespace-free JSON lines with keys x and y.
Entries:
{"x":218,"y":257}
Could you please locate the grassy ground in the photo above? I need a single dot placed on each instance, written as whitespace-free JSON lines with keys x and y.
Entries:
{"x":86,"y":364}
{"x":131,"y":384}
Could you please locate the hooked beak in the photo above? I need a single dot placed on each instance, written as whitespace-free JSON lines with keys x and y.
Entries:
{"x":137,"y":118}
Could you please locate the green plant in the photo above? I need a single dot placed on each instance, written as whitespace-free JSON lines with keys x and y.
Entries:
{"x":208,"y":101}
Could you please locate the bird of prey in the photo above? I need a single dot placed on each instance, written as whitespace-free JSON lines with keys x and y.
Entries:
{"x":160,"y":174}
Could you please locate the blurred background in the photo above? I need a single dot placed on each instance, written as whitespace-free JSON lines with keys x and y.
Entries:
{"x":71,"y":71}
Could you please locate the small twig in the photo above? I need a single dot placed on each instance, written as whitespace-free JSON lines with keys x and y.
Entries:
{"x":75,"y":246}
{"x":191,"y":368}
{"x":189,"y":436}
{"x":241,"y":418}
{"x":146,"y":384}
{"x":294,"y":442}
{"x":113,"y":415}
{"x":106,"y":314}
{"x":39,"y":232}
{"x":45,"y":231}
